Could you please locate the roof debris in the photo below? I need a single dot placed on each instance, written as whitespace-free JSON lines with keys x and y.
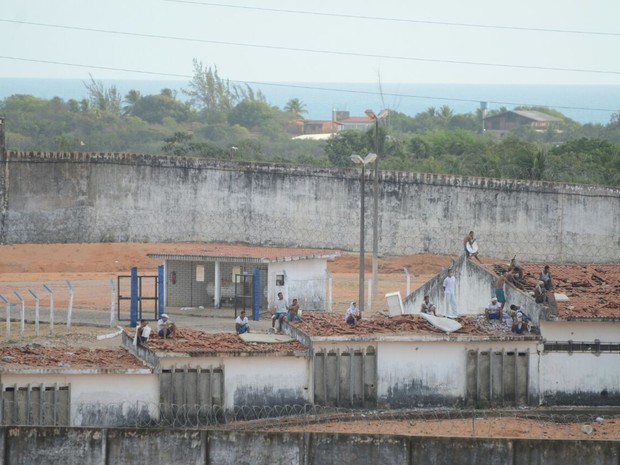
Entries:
{"x":593,"y":291}
{"x":316,"y":324}
{"x":193,"y":341}
{"x":37,"y":356}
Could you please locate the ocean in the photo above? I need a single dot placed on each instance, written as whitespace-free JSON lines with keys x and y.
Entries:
{"x":584,"y":104}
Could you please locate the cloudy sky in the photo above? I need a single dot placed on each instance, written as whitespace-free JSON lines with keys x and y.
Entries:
{"x":391,"y":41}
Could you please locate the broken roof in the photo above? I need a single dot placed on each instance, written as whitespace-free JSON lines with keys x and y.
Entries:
{"x":320,"y":324}
{"x":246,"y":253}
{"x":76,"y":359}
{"x":593,"y":291}
{"x":199,"y":343}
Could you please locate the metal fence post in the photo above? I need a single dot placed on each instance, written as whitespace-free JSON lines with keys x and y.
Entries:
{"x":329,"y":290}
{"x":51,"y":331}
{"x":113,"y":302}
{"x":70,"y":308}
{"x":408,"y":281}
{"x":134,"y":297}
{"x":22,"y":321}
{"x":36,"y":313}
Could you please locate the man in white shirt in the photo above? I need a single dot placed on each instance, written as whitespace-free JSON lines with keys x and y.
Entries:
{"x":449,"y":287}
{"x":280,"y":313}
{"x":165,"y":327}
{"x":494,"y":310}
{"x":242,"y":324}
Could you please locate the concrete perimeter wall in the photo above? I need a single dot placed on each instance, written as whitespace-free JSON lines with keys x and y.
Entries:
{"x":73,"y":446}
{"x":81,"y":197}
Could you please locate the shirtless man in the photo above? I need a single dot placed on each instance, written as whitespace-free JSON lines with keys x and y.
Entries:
{"x":499,"y":289}
{"x":469,"y":240}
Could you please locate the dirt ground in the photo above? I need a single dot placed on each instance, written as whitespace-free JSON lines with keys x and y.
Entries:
{"x":87,"y":266}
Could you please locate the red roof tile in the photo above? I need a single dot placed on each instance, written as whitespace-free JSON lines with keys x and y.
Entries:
{"x":199,"y":342}
{"x":593,"y":290}
{"x":319,"y":324}
{"x":33,"y":357}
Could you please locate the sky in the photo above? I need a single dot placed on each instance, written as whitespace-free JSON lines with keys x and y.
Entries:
{"x":351,"y":41}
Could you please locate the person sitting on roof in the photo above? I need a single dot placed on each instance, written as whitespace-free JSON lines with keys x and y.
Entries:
{"x":165,"y":327}
{"x":143,"y":332}
{"x":494,"y":310}
{"x":353,"y":314}
{"x":540,"y":293}
{"x":280,"y":312}
{"x":293,"y":311}
{"x":515,"y":273}
{"x":519,"y":319}
{"x":242,"y":324}
{"x":427,"y":306}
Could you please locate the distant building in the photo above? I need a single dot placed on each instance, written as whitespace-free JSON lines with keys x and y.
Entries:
{"x":341,"y":121}
{"x":510,"y":120}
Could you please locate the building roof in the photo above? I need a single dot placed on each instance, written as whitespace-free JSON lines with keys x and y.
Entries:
{"x":199,"y":343}
{"x":529,"y":114}
{"x":63,"y":359}
{"x":410,"y":327}
{"x":356,"y":119}
{"x":246,"y":254}
{"x":593,"y":291}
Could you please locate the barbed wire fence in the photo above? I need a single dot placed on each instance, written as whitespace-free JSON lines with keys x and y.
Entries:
{"x":309,"y":417}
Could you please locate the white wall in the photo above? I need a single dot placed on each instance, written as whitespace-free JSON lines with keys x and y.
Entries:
{"x":305,"y":280}
{"x":436,"y":366}
{"x":580,"y":331}
{"x":579,"y":374}
{"x":252,"y":380}
{"x":263,"y":380}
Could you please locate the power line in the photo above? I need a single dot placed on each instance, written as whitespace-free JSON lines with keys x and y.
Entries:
{"x":400,"y":20}
{"x":307,"y":87}
{"x":307,"y":50}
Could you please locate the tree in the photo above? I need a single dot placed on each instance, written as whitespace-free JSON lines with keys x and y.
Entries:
{"x":340,"y":147}
{"x":211,"y":94}
{"x":108,"y":100}
{"x":155,"y":108}
{"x":250,"y":114}
{"x":295,"y":106}
{"x":131,"y":99}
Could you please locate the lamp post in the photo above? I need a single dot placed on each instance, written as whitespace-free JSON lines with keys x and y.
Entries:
{"x":375,"y":210}
{"x":362,"y":161}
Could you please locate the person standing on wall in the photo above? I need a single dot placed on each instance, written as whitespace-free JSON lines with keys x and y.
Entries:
{"x":449,"y":288}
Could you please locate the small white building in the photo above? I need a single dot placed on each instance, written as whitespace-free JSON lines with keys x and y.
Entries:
{"x":216,"y":275}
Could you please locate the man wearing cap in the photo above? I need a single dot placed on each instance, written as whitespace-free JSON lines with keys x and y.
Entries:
{"x":165,"y":327}
{"x":242,"y":325}
{"x":353,"y":314}
{"x":494,"y":310}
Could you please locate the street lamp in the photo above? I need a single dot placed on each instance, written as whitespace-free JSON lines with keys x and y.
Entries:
{"x":375,"y":210}
{"x":362,"y":161}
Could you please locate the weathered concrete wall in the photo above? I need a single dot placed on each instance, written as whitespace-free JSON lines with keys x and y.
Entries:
{"x":580,"y":378}
{"x":72,"y":446}
{"x":120,"y":197}
{"x":475,"y":286}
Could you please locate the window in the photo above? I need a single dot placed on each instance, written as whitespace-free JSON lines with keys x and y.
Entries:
{"x":279,"y":279}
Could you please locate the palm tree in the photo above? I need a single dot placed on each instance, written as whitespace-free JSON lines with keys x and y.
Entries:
{"x":131,"y":99}
{"x":295,"y":106}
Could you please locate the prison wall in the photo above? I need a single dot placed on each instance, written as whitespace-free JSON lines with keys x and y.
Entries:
{"x":99,"y":197}
{"x":86,"y":446}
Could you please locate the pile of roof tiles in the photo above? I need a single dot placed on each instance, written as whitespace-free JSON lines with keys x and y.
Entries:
{"x":193,"y":341}
{"x":332,"y":324}
{"x":35,"y":356}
